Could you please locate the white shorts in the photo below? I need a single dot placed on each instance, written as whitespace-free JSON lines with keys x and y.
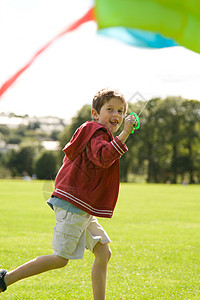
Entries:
{"x":73,"y":233}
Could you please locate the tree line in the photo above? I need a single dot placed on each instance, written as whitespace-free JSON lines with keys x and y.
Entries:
{"x":166,"y":147}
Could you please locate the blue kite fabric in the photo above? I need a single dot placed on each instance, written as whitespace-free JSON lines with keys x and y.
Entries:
{"x":138,"y":38}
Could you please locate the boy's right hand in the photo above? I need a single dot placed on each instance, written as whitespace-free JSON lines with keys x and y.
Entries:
{"x":129,"y":123}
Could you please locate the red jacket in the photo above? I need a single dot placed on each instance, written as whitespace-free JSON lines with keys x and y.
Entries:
{"x":90,"y":175}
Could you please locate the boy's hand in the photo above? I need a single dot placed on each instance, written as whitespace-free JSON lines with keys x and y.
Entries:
{"x":129,"y":123}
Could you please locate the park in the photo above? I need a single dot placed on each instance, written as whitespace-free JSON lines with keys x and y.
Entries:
{"x":143,"y":58}
{"x":154,"y":232}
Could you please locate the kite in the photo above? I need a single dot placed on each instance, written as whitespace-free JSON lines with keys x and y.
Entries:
{"x":141,"y":23}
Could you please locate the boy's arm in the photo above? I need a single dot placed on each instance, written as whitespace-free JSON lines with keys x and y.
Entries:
{"x":104,"y":153}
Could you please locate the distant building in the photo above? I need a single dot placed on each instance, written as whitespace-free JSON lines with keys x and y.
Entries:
{"x":5,"y":147}
{"x":47,"y":124}
{"x":51,"y":145}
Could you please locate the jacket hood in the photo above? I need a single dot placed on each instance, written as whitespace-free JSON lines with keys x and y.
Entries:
{"x":81,"y":137}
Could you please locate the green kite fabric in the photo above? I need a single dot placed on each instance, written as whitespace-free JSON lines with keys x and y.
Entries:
{"x":176,"y":19}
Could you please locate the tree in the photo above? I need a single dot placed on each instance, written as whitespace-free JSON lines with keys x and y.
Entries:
{"x":191,"y":138}
{"x":148,"y":147}
{"x":20,"y":161}
{"x":46,"y":166}
{"x":168,"y":141}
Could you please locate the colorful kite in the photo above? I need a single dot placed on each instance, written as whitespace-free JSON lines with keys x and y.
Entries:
{"x":144,"y":23}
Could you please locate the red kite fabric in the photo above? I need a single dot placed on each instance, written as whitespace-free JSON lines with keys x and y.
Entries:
{"x":89,"y":16}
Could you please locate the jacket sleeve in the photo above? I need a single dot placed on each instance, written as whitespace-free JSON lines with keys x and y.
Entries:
{"x":80,"y":139}
{"x":103,"y":152}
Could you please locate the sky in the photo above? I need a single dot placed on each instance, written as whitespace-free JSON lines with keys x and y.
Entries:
{"x":68,"y":74}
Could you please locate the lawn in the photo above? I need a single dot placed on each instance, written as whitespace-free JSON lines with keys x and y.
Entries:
{"x":155,"y":234}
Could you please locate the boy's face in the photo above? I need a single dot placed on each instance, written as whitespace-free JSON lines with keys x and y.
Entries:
{"x":111,"y":114}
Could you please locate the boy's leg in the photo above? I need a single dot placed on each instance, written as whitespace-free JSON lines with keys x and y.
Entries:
{"x":102,"y":254}
{"x":36,"y":266}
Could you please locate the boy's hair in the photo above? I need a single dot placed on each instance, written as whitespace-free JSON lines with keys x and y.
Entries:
{"x":104,"y":95}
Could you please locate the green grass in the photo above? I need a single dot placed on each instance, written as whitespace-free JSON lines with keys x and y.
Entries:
{"x":155,"y":245}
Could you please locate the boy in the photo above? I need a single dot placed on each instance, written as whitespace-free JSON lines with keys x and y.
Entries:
{"x":86,"y":186}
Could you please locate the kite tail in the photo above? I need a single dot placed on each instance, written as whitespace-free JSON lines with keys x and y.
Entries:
{"x":89,"y":16}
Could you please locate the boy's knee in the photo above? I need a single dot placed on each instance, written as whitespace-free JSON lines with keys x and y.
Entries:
{"x":106,"y":254}
{"x":102,"y":252}
{"x":61,"y":262}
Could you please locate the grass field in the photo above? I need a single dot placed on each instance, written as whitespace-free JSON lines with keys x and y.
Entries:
{"x":155,"y":234}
